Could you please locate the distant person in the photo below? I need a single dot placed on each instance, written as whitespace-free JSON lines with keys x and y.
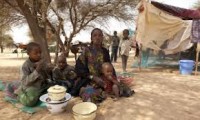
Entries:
{"x":125,"y":47}
{"x":15,"y":51}
{"x":115,"y":45}
{"x":64,"y":74}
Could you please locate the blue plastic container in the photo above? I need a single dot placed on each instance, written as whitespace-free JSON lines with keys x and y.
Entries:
{"x":186,"y":67}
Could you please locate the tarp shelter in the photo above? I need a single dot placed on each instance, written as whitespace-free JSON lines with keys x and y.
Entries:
{"x":160,"y":23}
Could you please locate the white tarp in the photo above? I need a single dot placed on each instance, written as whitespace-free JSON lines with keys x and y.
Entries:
{"x":156,"y":27}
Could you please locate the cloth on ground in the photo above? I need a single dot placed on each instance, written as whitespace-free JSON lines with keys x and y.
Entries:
{"x":13,"y":99}
{"x":92,"y":94}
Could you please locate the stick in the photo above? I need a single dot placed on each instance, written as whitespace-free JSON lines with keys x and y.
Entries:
{"x":197,"y":59}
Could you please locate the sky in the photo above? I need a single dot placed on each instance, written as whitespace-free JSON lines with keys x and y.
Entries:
{"x":20,"y":33}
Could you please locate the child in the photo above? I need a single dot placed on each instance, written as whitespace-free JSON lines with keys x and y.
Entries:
{"x":110,"y":81}
{"x":112,"y":85}
{"x":125,"y":47}
{"x":64,"y":74}
{"x":34,"y":76}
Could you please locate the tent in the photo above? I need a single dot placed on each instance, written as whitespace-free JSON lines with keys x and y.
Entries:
{"x":160,"y":23}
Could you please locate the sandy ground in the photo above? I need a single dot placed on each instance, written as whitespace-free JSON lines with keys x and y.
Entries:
{"x":161,"y":94}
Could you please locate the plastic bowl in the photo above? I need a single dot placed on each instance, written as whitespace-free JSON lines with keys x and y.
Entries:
{"x":84,"y":111}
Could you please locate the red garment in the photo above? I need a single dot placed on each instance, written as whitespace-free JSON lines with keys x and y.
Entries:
{"x":183,"y":13}
{"x":108,"y":84}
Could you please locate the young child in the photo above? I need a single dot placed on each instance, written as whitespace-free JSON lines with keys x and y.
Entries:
{"x":34,"y":76}
{"x":110,"y":81}
{"x":64,"y":74}
{"x":112,"y":85}
{"x":124,"y":49}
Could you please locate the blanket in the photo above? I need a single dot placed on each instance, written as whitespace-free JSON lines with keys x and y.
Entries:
{"x":31,"y":110}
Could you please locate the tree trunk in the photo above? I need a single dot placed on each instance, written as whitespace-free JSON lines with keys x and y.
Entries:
{"x":1,"y":48}
{"x":67,"y":50}
{"x":37,"y":32}
{"x":68,"y":45}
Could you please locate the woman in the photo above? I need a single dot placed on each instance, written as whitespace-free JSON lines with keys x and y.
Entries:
{"x":88,"y":65}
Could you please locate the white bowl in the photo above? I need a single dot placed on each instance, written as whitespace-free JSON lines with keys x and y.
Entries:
{"x":55,"y":106}
{"x":84,"y":111}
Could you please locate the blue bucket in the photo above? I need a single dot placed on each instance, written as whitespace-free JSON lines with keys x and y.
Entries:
{"x":186,"y":67}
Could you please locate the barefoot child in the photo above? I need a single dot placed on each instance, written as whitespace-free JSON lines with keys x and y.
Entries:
{"x":110,"y":81}
{"x":112,"y":85}
{"x":125,"y":47}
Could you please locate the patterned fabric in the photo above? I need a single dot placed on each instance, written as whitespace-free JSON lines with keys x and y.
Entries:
{"x":11,"y":88}
{"x":65,"y":77}
{"x":196,"y":31}
{"x":125,"y":91}
{"x":91,"y":94}
{"x":32,"y":84}
{"x":108,"y":84}
{"x":28,"y":97}
{"x":179,"y":12}
{"x":67,"y":73}
{"x":90,"y":61}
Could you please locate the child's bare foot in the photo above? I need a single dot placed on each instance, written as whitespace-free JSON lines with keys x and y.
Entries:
{"x":115,"y":98}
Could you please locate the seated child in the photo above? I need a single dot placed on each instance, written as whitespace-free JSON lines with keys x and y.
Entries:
{"x":112,"y":85}
{"x":34,"y":77}
{"x":110,"y":81}
{"x":64,"y":74}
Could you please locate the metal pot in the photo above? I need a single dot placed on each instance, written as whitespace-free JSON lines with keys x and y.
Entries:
{"x":56,"y":92}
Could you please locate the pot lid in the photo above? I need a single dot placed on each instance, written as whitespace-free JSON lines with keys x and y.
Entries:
{"x":56,"y":89}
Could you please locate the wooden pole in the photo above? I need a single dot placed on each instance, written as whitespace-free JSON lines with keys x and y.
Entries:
{"x":196,"y":63}
{"x":197,"y":58}
{"x":140,"y":58}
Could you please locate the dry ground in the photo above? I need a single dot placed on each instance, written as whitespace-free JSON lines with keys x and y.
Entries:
{"x":160,"y":95}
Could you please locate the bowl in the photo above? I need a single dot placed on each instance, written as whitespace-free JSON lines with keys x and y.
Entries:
{"x":55,"y":107}
{"x":84,"y":111}
{"x":56,"y":92}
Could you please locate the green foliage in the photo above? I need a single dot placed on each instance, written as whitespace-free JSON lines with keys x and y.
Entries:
{"x":5,"y":39}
